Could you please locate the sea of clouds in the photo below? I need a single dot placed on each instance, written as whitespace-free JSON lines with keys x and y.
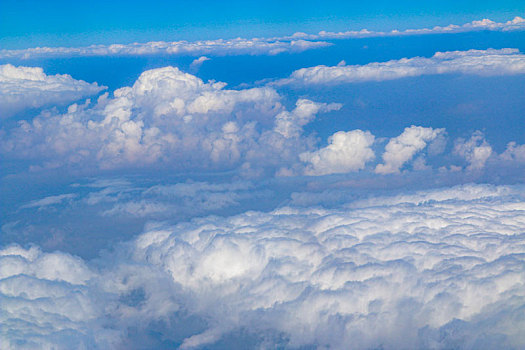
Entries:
{"x":439,"y":268}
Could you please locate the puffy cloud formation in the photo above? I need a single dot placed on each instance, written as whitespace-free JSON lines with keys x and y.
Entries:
{"x":47,"y":304}
{"x":239,"y":46}
{"x":346,"y":151}
{"x":289,"y":124}
{"x":23,"y":88}
{"x":170,"y":117}
{"x":438,"y":269}
{"x":518,"y":23}
{"x":476,"y":150}
{"x":402,"y":148}
{"x":480,"y":62}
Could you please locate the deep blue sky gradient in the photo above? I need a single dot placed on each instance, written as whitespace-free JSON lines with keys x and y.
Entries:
{"x":29,"y":23}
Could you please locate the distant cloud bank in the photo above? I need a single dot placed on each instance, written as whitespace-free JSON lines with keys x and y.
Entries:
{"x":239,"y":46}
{"x":297,"y":42}
{"x":490,"y":62}
{"x":518,"y":23}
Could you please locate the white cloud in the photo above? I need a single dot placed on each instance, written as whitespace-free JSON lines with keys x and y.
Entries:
{"x":476,"y":150}
{"x":238,"y":46}
{"x":438,"y":269}
{"x":290,"y":124}
{"x":297,"y":42}
{"x":345,"y":152}
{"x":198,"y":62}
{"x":170,"y":118}
{"x":489,"y":62}
{"x":518,"y":23}
{"x":402,"y":148}
{"x":23,"y":88}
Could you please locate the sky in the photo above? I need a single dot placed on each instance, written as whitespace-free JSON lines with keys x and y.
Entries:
{"x":247,"y":175}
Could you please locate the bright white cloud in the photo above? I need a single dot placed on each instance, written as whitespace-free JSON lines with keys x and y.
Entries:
{"x":442,"y":269}
{"x":345,"y":152}
{"x":170,"y":117}
{"x":23,"y":88}
{"x":476,"y":150}
{"x":239,"y":46}
{"x":489,"y":62}
{"x":402,"y":148}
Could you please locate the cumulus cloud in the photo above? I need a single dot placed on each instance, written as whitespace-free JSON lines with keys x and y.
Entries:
{"x":476,"y":150}
{"x":238,"y":46}
{"x":402,"y":148}
{"x":169,"y":117}
{"x":490,"y":62}
{"x":345,"y":152}
{"x":23,"y":88}
{"x":439,"y":269}
{"x":289,"y":124}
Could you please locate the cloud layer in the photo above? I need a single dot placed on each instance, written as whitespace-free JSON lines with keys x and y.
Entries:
{"x":23,"y":88}
{"x":518,"y":23}
{"x":489,"y":62}
{"x":438,"y":269}
{"x":239,"y":46}
{"x":297,"y":42}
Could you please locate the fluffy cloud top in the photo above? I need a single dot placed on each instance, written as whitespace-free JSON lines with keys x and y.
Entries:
{"x":346,"y":151}
{"x":24,"y":88}
{"x":170,"y":117}
{"x":239,"y":46}
{"x":443,"y":269}
{"x":476,"y":150}
{"x":289,"y":124}
{"x":480,"y":62}
{"x":401,"y":149}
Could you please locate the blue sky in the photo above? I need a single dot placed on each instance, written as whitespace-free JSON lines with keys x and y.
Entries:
{"x":51,"y":23}
{"x":248,"y":175}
